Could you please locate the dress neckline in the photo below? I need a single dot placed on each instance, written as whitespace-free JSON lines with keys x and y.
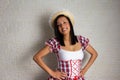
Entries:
{"x":70,"y":51}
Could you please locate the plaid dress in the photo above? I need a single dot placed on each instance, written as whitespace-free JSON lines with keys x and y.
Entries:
{"x":69,"y":63}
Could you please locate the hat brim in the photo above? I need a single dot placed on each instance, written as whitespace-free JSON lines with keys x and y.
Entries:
{"x":65,"y":13}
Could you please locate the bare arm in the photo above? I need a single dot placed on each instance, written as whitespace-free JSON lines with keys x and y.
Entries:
{"x":93,"y":54}
{"x":38,"y":59}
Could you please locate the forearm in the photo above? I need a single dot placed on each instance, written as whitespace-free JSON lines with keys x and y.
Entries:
{"x":41,"y":63}
{"x":90,"y":62}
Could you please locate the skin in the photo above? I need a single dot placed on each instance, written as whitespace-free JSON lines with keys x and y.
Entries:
{"x":64,"y":28}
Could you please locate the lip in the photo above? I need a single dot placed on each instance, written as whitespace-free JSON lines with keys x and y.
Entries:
{"x":64,"y":29}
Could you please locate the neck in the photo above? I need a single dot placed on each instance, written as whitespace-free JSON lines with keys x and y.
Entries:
{"x":67,"y":37}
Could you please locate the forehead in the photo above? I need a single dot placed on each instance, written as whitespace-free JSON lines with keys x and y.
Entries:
{"x":62,"y":18}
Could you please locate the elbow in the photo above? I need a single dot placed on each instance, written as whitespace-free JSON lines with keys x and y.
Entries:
{"x":96,"y":54}
{"x":36,"y":58}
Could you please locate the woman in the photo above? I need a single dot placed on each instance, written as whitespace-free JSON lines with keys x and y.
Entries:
{"x":68,"y":48}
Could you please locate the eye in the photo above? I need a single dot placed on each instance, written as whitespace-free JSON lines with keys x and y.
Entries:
{"x":58,"y":25}
{"x":64,"y":22}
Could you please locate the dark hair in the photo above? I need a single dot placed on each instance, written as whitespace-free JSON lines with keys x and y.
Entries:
{"x":59,"y":36}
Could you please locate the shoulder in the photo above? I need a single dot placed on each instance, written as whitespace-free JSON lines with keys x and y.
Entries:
{"x":52,"y":40}
{"x":83,"y":40}
{"x":53,"y":44}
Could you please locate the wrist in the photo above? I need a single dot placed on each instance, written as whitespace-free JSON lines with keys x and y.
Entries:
{"x":51,"y":72}
{"x":83,"y":70}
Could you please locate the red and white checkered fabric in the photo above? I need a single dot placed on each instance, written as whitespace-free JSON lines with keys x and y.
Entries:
{"x":55,"y":45}
{"x":75,"y":66}
{"x":75,"y":78}
{"x":65,"y":66}
{"x":84,"y":41}
{"x":71,"y":67}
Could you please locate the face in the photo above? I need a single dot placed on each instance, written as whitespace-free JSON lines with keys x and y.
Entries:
{"x":63,"y":25}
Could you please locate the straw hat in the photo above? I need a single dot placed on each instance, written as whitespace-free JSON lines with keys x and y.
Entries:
{"x":63,"y":12}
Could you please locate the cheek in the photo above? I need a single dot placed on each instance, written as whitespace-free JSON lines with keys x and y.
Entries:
{"x":60,"y":29}
{"x":68,"y":26}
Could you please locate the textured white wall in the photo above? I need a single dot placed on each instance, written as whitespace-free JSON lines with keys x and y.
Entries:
{"x":24,"y":28}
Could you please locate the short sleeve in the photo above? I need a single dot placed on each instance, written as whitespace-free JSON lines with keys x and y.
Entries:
{"x":53,"y":44}
{"x":84,"y":41}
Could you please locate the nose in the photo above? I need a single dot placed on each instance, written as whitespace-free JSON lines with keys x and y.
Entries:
{"x":62,"y":25}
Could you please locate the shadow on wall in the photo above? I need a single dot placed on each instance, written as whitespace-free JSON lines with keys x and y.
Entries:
{"x":27,"y":57}
{"x":47,"y":33}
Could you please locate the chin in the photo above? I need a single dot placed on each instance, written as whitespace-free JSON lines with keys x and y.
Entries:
{"x":65,"y":33}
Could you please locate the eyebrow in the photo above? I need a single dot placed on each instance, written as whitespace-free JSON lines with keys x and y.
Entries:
{"x":64,"y":21}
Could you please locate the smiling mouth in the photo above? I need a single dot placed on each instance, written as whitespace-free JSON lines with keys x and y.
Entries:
{"x":64,"y":29}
